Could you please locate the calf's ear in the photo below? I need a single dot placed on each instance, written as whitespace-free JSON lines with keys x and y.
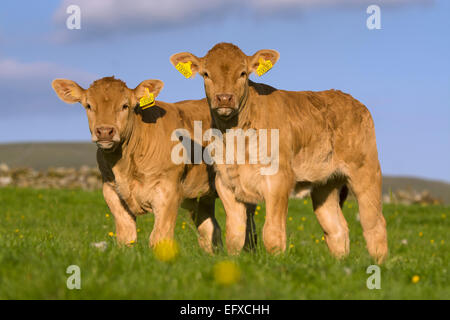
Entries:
{"x":68,"y":91}
{"x":262,"y":61}
{"x":153,"y":86}
{"x":186,"y":63}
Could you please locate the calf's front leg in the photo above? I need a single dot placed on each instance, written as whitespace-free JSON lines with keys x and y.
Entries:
{"x":125,"y":221}
{"x":165,"y":209}
{"x":236,"y":218}
{"x":276,"y":194}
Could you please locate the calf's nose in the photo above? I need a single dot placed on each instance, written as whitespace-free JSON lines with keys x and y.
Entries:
{"x":224,"y":98}
{"x":105,"y":133}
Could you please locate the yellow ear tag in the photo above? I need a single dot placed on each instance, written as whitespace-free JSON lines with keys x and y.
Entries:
{"x":147,"y":101}
{"x":264,"y":66}
{"x":185,"y":68}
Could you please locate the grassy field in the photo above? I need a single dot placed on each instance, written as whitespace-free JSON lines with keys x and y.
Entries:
{"x":42,"y":232}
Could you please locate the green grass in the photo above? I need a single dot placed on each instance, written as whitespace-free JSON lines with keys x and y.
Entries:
{"x":42,"y":232}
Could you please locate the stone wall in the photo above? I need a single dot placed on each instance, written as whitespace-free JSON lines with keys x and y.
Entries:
{"x":60,"y":178}
{"x":89,"y":178}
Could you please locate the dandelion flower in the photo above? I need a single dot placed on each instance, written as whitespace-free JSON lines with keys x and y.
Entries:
{"x":166,"y":250}
{"x":303,"y":218}
{"x":420,"y":234}
{"x":291,"y":246}
{"x":290,"y":219}
{"x":432,"y":241}
{"x":107,"y":215}
{"x":111,"y":234}
{"x":415,"y":279}
{"x":226,"y":273}
{"x":258,"y":208}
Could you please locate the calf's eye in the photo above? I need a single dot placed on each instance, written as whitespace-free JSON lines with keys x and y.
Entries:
{"x":88,"y":107}
{"x":124,"y":107}
{"x":243,"y":74}
{"x":205,"y":75}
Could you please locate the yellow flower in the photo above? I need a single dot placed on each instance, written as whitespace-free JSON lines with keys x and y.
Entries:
{"x":256,"y":213}
{"x":291,"y":246}
{"x":258,"y":208}
{"x":323,"y":238}
{"x":432,"y":241}
{"x":443,"y":216}
{"x":111,"y":234}
{"x":226,"y":273}
{"x":21,"y":236}
{"x":420,"y":234}
{"x":415,"y":279}
{"x":107,"y":215}
{"x":138,"y":230}
{"x":166,"y":250}
{"x":132,"y":242}
{"x":303,"y":218}
{"x":317,"y":240}
{"x":290,"y":219}
{"x":183,"y":227}
{"x":300,"y":228}
{"x":305,"y":201}
{"x":16,"y":231}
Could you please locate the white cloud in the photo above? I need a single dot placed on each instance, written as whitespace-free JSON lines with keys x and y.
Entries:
{"x":13,"y":72}
{"x":25,"y":87}
{"x":101,"y":17}
{"x":304,"y":4}
{"x":106,"y":17}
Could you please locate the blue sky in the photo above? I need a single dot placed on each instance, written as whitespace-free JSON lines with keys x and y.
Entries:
{"x":401,"y":72}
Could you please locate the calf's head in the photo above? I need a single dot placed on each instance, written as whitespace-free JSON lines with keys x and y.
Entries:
{"x":225,"y":70}
{"x":109,"y":105}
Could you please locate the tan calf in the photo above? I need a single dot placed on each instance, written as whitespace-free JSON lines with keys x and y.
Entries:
{"x":134,"y":157}
{"x":326,"y":142}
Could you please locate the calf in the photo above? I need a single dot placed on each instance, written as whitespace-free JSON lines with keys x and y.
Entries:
{"x":134,"y":152}
{"x":327,"y":142}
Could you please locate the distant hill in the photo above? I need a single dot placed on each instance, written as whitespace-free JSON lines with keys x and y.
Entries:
{"x":40,"y":156}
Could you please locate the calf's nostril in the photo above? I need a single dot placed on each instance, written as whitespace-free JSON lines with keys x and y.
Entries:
{"x":105,"y":133}
{"x":224,"y":98}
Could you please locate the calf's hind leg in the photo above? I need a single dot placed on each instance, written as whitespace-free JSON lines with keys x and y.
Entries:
{"x":366,"y":184}
{"x":202,"y":213}
{"x":326,"y":204}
